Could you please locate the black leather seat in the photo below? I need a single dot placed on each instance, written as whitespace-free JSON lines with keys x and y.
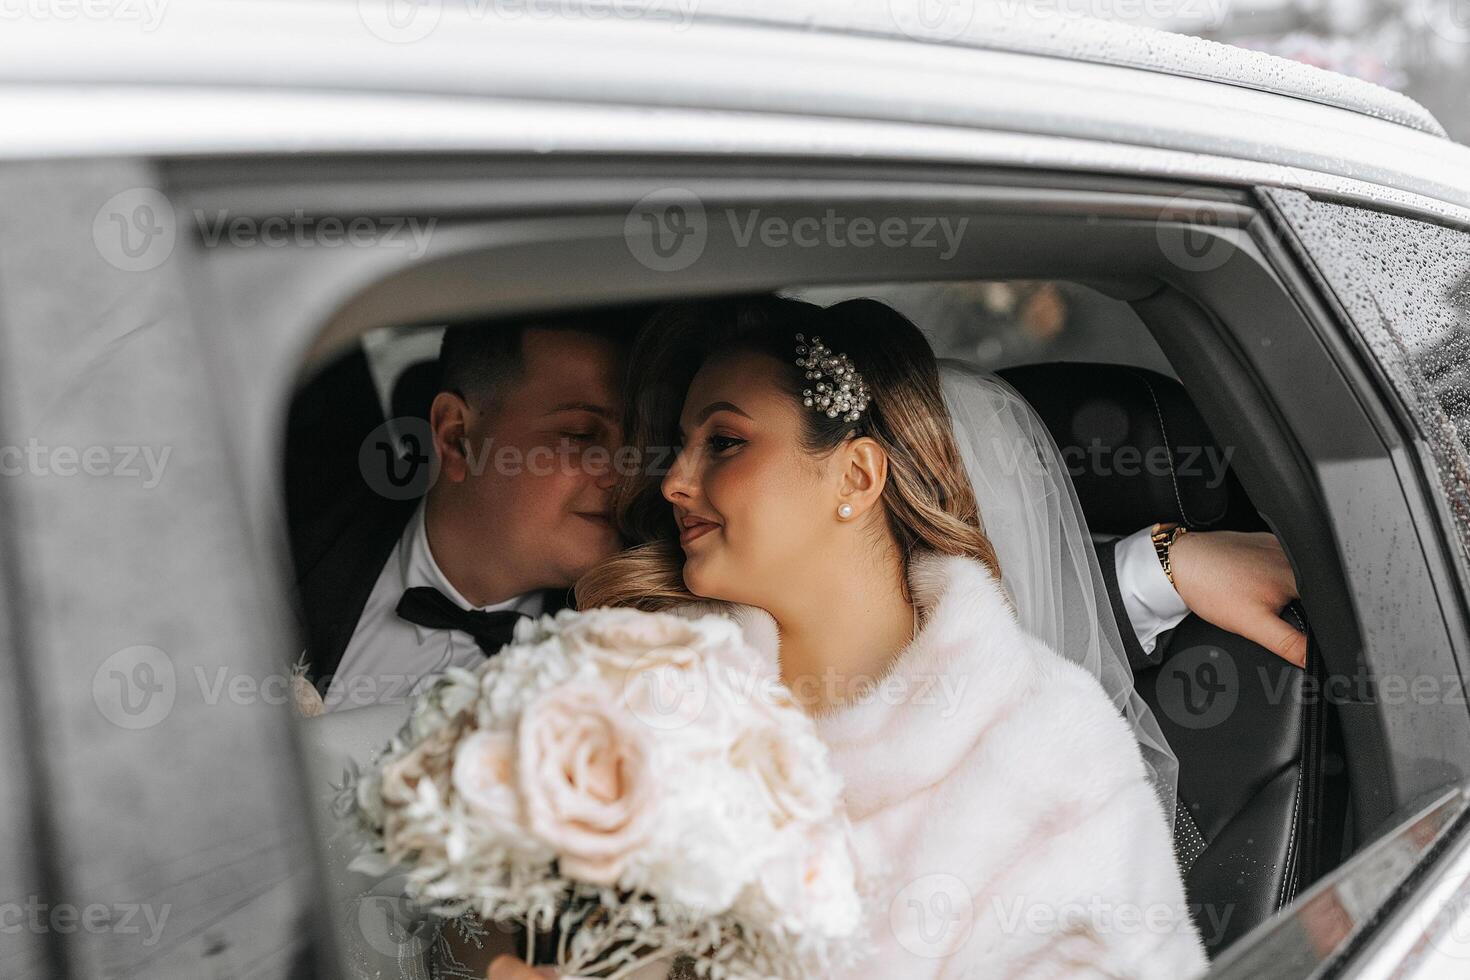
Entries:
{"x":328,"y":419}
{"x":1253,"y":824}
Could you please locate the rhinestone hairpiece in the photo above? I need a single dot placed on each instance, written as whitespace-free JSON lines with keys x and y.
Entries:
{"x":840,"y":389}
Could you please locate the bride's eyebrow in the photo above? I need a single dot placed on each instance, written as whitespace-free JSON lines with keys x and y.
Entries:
{"x":714,"y":407}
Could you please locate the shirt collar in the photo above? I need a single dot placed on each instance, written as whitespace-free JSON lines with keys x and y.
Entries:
{"x":418,"y":568}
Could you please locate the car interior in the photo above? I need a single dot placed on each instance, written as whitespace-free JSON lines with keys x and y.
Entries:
{"x":1136,"y":313}
{"x":1263,"y":793}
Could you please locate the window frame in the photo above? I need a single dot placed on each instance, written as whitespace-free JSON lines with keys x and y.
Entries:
{"x":514,"y":241}
{"x":268,"y":314}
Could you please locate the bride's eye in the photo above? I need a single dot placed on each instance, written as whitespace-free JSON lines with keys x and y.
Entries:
{"x":721,"y":443}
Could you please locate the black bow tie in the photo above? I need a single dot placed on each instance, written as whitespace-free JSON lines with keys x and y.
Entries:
{"x":430,"y":608}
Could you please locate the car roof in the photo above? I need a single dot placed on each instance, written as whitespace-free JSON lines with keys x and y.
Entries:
{"x":1041,"y":27}
{"x":858,"y":78}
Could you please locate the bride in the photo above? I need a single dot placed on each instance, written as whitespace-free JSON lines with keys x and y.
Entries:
{"x":902,"y":544}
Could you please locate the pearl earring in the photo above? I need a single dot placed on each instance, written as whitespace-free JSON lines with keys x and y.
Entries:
{"x":844,"y":512}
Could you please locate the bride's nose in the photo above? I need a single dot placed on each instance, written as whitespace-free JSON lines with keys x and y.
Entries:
{"x":679,"y":484}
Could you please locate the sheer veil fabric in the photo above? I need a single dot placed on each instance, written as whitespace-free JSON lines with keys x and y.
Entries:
{"x":1031,"y":515}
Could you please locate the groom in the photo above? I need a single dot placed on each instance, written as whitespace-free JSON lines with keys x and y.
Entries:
{"x":525,"y":427}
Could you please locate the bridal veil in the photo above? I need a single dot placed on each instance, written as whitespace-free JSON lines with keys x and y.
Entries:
{"x":1031,"y":515}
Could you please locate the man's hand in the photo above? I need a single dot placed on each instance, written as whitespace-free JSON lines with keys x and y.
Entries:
{"x":510,"y":968}
{"x":1240,"y":582}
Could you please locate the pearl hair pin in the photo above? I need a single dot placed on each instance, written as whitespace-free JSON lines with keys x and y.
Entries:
{"x":839,"y":390}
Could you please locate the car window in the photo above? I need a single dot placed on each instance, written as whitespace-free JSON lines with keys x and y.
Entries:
{"x":998,"y":324}
{"x":1405,"y":284}
{"x":993,"y":324}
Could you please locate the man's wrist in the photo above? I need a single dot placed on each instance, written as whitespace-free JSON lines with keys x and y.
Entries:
{"x":1152,"y":604}
{"x":1163,"y":537}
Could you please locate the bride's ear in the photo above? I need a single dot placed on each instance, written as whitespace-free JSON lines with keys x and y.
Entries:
{"x":864,"y":474}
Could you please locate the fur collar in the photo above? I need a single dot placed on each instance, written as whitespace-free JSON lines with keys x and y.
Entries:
{"x":984,"y":764}
{"x":963,"y":662}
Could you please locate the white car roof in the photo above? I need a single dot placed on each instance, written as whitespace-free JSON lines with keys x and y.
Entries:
{"x":870,"y":78}
{"x":1042,"y":27}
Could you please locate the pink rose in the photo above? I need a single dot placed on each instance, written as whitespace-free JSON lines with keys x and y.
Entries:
{"x":621,"y":639}
{"x":785,"y":761}
{"x":667,"y":665}
{"x":587,"y":782}
{"x":484,"y":776}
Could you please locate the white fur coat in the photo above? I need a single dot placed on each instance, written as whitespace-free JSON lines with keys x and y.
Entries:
{"x":1003,"y":817}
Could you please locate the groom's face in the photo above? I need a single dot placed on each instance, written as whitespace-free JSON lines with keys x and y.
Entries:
{"x":537,"y":476}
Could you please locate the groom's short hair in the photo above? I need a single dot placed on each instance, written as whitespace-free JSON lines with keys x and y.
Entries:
{"x":479,"y":359}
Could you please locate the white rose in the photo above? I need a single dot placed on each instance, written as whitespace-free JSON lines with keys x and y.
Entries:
{"x":427,"y":759}
{"x":812,"y":884}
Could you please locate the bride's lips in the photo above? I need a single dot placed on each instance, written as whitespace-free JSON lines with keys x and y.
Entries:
{"x":691,"y":527}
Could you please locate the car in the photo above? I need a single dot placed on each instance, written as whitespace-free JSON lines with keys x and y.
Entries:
{"x":216,"y":213}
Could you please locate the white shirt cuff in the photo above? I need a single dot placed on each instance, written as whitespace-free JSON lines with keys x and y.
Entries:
{"x":1152,"y":604}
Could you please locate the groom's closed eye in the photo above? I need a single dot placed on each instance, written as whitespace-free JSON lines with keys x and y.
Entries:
{"x":582,"y":424}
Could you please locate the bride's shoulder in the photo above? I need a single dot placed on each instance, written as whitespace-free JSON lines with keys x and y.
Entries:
{"x":972,"y":617}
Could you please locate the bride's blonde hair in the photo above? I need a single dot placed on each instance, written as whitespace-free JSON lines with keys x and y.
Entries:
{"x":928,"y":501}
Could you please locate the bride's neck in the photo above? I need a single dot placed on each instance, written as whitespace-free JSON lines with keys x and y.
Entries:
{"x":845,"y":629}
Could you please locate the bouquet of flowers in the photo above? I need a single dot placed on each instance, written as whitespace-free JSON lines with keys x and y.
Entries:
{"x":620,"y":778}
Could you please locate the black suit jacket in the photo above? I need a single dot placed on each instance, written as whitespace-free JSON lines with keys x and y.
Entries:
{"x":1137,"y":659}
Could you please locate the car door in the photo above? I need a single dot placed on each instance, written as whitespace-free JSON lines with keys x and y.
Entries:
{"x":150,"y":827}
{"x":1399,"y":289}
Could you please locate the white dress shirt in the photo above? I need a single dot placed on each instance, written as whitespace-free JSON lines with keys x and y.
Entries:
{"x":1153,"y":605}
{"x":390,"y":659}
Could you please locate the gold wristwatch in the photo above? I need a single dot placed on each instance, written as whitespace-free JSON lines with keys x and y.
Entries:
{"x":1163,"y":537}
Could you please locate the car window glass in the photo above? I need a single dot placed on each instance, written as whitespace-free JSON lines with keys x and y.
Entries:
{"x":1406,"y":286}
